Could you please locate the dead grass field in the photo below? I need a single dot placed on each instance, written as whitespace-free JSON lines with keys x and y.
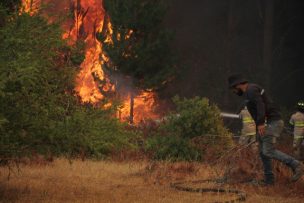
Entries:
{"x":141,"y":181}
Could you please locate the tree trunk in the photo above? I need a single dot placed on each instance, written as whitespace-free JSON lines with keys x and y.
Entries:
{"x":268,"y":32}
{"x":230,"y":28}
{"x":131,"y":108}
{"x":229,"y":43}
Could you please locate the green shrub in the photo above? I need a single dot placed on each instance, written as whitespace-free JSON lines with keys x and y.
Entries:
{"x":194,"y":118}
{"x":172,"y":148}
{"x":39,"y":112}
{"x":92,"y":132}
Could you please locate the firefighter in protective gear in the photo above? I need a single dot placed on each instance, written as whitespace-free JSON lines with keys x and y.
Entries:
{"x":248,"y":133}
{"x":297,"y":121}
{"x":268,"y":120}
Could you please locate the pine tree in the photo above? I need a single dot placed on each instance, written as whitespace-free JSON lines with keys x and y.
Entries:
{"x":137,"y":43}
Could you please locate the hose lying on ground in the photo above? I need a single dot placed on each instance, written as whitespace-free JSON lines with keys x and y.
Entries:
{"x":241,"y":196}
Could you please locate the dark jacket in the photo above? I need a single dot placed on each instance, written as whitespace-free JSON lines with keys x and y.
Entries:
{"x":260,"y":105}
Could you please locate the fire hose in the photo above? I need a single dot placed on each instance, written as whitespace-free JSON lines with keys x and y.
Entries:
{"x":229,"y":115}
{"x":240,"y":195}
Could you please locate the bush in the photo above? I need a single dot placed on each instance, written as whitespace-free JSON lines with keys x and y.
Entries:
{"x":39,"y":112}
{"x":91,"y":132}
{"x":172,"y":148}
{"x":194,"y":119}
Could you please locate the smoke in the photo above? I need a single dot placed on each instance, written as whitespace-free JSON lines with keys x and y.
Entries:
{"x":82,"y":20}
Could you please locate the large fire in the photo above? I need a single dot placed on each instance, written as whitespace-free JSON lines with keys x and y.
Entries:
{"x":89,"y":19}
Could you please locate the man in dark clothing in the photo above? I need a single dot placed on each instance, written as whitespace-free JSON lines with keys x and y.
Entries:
{"x":269,"y":126}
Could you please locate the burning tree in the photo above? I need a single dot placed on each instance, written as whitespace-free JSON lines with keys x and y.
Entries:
{"x":38,"y":108}
{"x":137,"y":44}
{"x":96,"y":82}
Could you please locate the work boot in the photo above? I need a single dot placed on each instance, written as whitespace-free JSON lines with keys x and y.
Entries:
{"x":268,"y":181}
{"x":298,"y":172}
{"x":264,"y":183}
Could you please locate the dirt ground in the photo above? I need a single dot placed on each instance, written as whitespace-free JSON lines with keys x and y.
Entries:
{"x":141,"y":181}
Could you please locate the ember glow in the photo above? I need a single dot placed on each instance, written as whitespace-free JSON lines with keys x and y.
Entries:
{"x":144,"y":104}
{"x":92,"y":84}
{"x":30,"y":6}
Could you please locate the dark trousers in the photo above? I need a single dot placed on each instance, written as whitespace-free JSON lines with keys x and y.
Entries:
{"x":268,"y":151}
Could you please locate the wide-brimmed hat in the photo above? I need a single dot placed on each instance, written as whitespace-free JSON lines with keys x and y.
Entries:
{"x":300,"y":105}
{"x":236,"y":79}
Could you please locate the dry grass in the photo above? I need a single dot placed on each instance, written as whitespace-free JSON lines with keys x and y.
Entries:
{"x":102,"y":181}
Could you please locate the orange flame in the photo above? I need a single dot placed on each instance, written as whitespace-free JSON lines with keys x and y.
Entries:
{"x":30,"y":6}
{"x":89,"y":19}
{"x":144,"y":106}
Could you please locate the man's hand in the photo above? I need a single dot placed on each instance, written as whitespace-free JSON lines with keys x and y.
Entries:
{"x":261,"y":130}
